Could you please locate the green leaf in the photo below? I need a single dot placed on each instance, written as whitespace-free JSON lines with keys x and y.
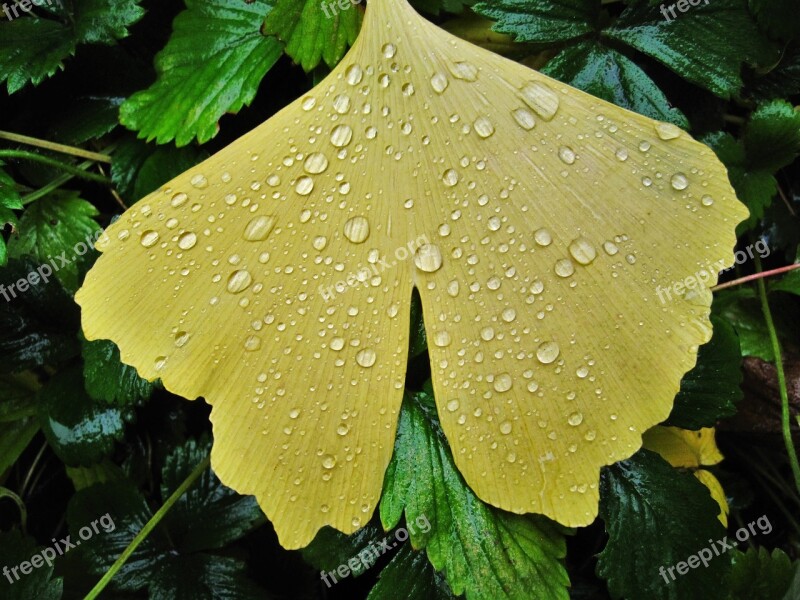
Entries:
{"x":314,"y":30}
{"x":435,"y":7}
{"x":612,"y":76}
{"x":781,"y":81}
{"x":167,"y":563}
{"x":17,"y":397}
{"x":759,"y":575}
{"x":419,"y":339}
{"x":57,"y":230}
{"x":212,"y":64}
{"x":410,"y":576}
{"x":37,"y":323}
{"x":33,"y":48}
{"x":788,"y":283}
{"x":331,"y":548}
{"x":541,"y":20}
{"x":698,"y":45}
{"x":80,"y":431}
{"x":742,"y":309}
{"x":657,"y":516}
{"x":108,"y":379}
{"x":226,"y":516}
{"x":102,"y":472}
{"x":16,"y":550}
{"x":445,"y":517}
{"x":710,"y":391}
{"x":86,"y":119}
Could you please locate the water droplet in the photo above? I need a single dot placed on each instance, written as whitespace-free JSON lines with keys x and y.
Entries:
{"x":187,"y":241}
{"x":389,"y":50}
{"x":441,"y":339}
{"x":356,"y":229}
{"x":582,"y":251}
{"x":706,"y":200}
{"x":503,"y":382}
{"x":366,"y":357}
{"x":622,"y":154}
{"x":575,"y":419}
{"x":149,"y":238}
{"x":453,"y":288}
{"x":667,"y":131}
{"x":566,"y":154}
{"x":564,"y":267}
{"x":464,"y":70}
{"x":337,"y":343}
{"x":524,"y":118}
{"x":341,"y":136}
{"x":252,"y":343}
{"x":450,"y":177}
{"x":259,"y":228}
{"x":494,"y":223}
{"x":181,"y":338}
{"x":304,"y":185}
{"x":343,"y":429}
{"x":308,"y":103}
{"x":439,"y":83}
{"x":408,"y":90}
{"x":483,"y":127}
{"x":509,"y":315}
{"x":179,"y":199}
{"x":542,"y":237}
{"x":353,"y":74}
{"x":610,"y":248}
{"x":199,"y":181}
{"x":453,"y":405}
{"x":541,"y":99}
{"x":547,"y":352}
{"x":239,"y":281}
{"x":428,"y":258}
{"x":316,"y":163}
{"x":679,"y":181}
{"x":161,"y":362}
{"x":505,"y":427}
{"x":328,"y":461}
{"x":320,"y":242}
{"x":644,"y":146}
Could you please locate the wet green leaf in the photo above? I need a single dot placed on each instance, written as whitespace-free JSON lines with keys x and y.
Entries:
{"x":213,"y":64}
{"x":657,"y":516}
{"x":410,"y":576}
{"x":444,"y":517}
{"x":541,"y":20}
{"x":108,"y":379}
{"x":759,"y":575}
{"x":16,"y":551}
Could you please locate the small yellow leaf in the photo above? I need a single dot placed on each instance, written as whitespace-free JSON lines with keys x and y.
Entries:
{"x":537,"y":222}
{"x":683,"y":448}
{"x":717,"y":492}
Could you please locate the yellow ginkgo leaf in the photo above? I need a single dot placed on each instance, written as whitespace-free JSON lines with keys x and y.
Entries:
{"x":683,"y":448}
{"x":687,"y":449}
{"x":540,"y":225}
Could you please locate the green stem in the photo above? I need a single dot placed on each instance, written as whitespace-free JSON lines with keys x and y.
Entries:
{"x":53,"y":185}
{"x":46,"y":160}
{"x":149,"y":526}
{"x":786,"y":423}
{"x":63,"y":149}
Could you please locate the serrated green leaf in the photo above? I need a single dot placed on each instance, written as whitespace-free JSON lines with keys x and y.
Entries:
{"x":710,"y":391}
{"x":314,"y":30}
{"x":33,"y":48}
{"x":202,"y":576}
{"x":212,"y":64}
{"x":102,"y":472}
{"x":612,"y":76}
{"x":446,"y":518}
{"x":331,"y":548}
{"x":38,"y":583}
{"x":435,"y":7}
{"x":781,"y":81}
{"x":759,"y":575}
{"x":226,"y":516}
{"x":788,"y":283}
{"x":108,"y":379}
{"x":697,"y":45}
{"x":541,"y":20}
{"x":87,"y":118}
{"x":657,"y":516}
{"x":410,"y":576}
{"x":79,"y":430}
{"x":742,"y":309}
{"x":37,"y":324}
{"x":57,"y":229}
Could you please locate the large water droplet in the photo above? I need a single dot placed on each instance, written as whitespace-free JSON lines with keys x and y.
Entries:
{"x":187,"y":241}
{"x":259,"y":228}
{"x":239,"y":281}
{"x":667,"y":131}
{"x":304,"y":185}
{"x":341,"y":135}
{"x":441,"y":339}
{"x":428,"y":258}
{"x":582,"y":251}
{"x":439,"y":83}
{"x":366,"y":357}
{"x":566,"y":154}
{"x":541,"y":99}
{"x":450,"y":177}
{"x":328,"y":461}
{"x":542,"y":237}
{"x":679,"y":181}
{"x":575,"y":419}
{"x":199,"y":181}
{"x":564,"y":267}
{"x":483,"y":127}
{"x":503,"y":382}
{"x":316,"y":163}
{"x":149,"y":238}
{"x":547,"y":352}
{"x":356,"y":229}
{"x":464,"y":70}
{"x":353,"y":74}
{"x":524,"y":118}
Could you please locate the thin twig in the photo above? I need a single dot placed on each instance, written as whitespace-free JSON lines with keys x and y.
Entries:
{"x":55,"y":147}
{"x":754,"y":276}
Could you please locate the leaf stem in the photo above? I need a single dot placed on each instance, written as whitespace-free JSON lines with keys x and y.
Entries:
{"x":46,"y":160}
{"x":149,"y":526}
{"x":786,"y":424}
{"x":754,"y":276}
{"x":61,"y":148}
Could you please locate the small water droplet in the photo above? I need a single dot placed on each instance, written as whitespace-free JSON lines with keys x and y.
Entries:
{"x":679,"y":181}
{"x":199,"y":181}
{"x":667,"y":131}
{"x":239,"y":281}
{"x":483,"y":127}
{"x":179,"y":199}
{"x":503,"y":382}
{"x":505,"y":427}
{"x":622,"y":154}
{"x":564,"y":267}
{"x":524,"y":118}
{"x":181,"y":338}
{"x":353,"y":74}
{"x":366,"y":357}
{"x":316,"y":163}
{"x":582,"y":251}
{"x":575,"y":419}
{"x":252,"y":343}
{"x":439,"y":83}
{"x":453,"y":405}
{"x":610,"y":248}
{"x":464,"y":70}
{"x":187,"y":241}
{"x":149,"y":238}
{"x":328,"y":461}
{"x":341,"y":136}
{"x":441,"y":339}
{"x":542,"y":237}
{"x":389,"y":50}
{"x":566,"y":154}
{"x":450,"y":177}
{"x":706,"y":200}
